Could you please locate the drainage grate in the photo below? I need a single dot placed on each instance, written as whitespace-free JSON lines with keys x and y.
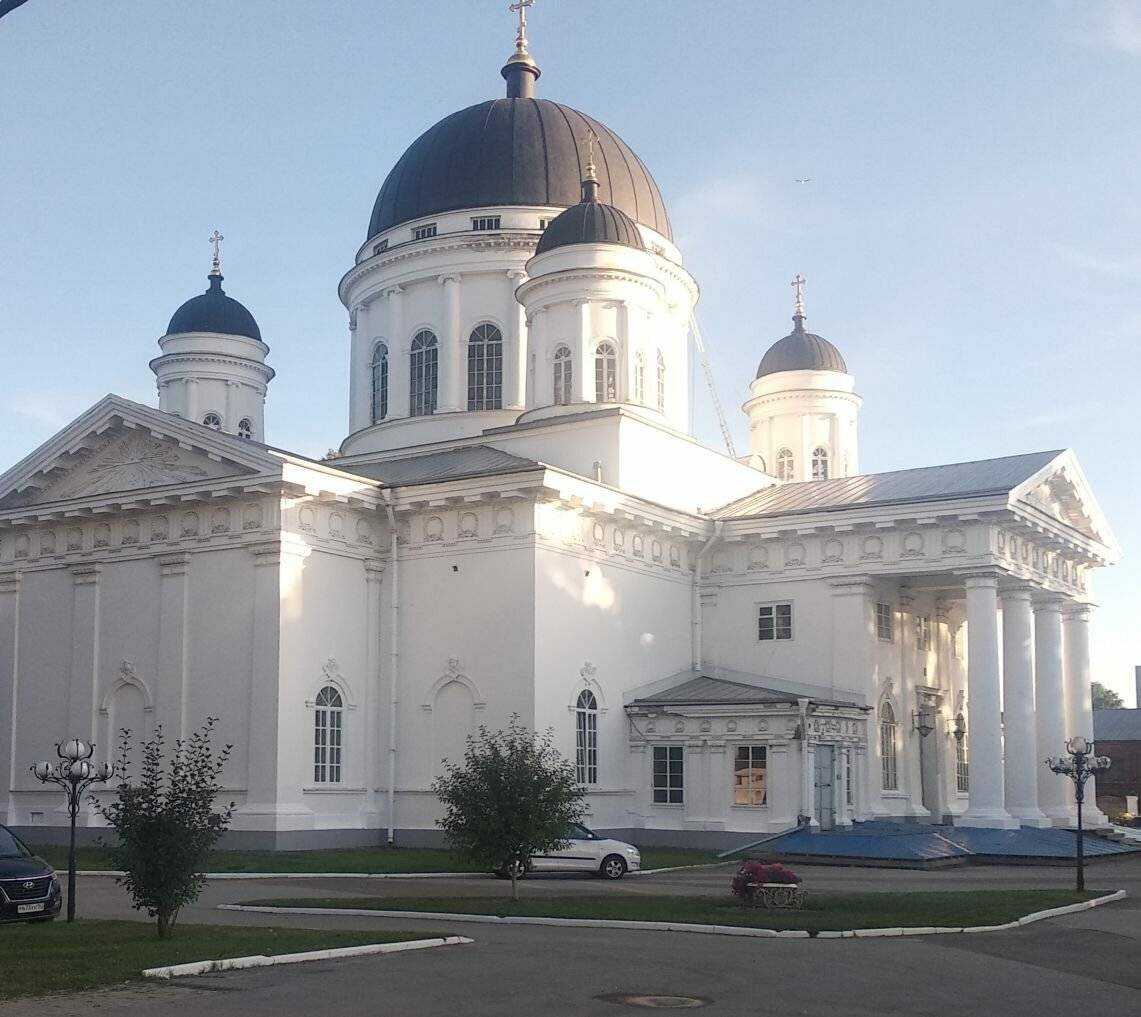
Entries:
{"x":654,"y":1001}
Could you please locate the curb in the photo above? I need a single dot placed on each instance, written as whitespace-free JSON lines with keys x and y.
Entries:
{"x":262,"y":961}
{"x":709,"y":930}
{"x":302,"y":875}
{"x":680,"y":868}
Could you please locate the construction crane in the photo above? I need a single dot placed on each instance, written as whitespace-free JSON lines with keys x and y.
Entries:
{"x":708,"y":372}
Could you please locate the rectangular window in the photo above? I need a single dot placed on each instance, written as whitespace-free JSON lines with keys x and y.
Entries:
{"x":382,"y":246}
{"x":962,"y":768}
{"x":750,"y":776}
{"x":424,"y":232}
{"x":885,"y":622}
{"x":669,"y":774}
{"x":922,"y":632}
{"x":774,"y":621}
{"x":485,"y":222}
{"x":544,"y":223}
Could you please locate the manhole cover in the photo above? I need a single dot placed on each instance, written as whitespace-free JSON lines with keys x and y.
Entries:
{"x":654,"y":1001}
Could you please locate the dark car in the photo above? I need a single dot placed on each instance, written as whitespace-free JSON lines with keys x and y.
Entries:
{"x":29,"y":890}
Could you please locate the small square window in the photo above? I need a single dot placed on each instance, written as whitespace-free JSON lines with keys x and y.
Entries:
{"x":885,"y":622}
{"x":774,"y":621}
{"x":544,"y":223}
{"x":669,"y":775}
{"x":382,"y":246}
{"x":750,"y":774}
{"x":424,"y":232}
{"x":485,"y":222}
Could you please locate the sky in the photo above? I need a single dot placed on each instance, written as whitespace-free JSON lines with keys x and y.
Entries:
{"x":970,"y":229}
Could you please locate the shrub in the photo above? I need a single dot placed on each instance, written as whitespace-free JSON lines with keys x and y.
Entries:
{"x":752,"y":872}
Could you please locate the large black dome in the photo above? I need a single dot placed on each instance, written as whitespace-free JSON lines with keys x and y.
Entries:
{"x":515,"y":151}
{"x":213,"y":311}
{"x":801,"y":351}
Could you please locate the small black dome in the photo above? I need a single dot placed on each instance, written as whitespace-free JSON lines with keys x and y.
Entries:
{"x":514,"y":151}
{"x":801,"y":351}
{"x":213,"y":311}
{"x":590,"y":222}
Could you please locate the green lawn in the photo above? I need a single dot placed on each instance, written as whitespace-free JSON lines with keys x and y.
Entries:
{"x":352,"y":860}
{"x":822,"y":911}
{"x":58,"y":957}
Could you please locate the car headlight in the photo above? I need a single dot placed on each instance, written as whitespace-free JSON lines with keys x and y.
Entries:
{"x":633,"y":852}
{"x":55,"y":884}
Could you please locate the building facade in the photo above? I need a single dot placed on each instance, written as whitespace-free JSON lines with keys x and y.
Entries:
{"x":518,"y":522}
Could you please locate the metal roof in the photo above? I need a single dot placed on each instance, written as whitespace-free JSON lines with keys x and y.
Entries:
{"x":801,"y":351}
{"x":926,"y":484}
{"x":1116,"y":726}
{"x":214,"y":311}
{"x":706,"y":691}
{"x":590,"y":222}
{"x":435,"y":467}
{"x":514,"y":152}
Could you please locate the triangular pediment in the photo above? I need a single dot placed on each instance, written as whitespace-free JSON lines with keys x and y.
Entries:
{"x":1061,"y":492}
{"x":119,"y":447}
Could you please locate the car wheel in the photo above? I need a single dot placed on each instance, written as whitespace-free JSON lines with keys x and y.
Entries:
{"x":613,"y":867}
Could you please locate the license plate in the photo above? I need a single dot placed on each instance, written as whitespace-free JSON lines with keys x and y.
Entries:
{"x":29,"y":909}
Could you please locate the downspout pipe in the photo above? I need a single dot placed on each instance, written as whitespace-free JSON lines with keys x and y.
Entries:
{"x":393,"y":662}
{"x":695,"y":602}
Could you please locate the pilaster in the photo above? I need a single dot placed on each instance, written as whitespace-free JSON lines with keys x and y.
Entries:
{"x":10,"y":584}
{"x":515,"y":359}
{"x":84,"y":676}
{"x":453,"y":395}
{"x":173,"y":635}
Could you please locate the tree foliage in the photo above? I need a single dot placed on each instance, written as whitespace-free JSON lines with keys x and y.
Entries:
{"x":167,"y":820}
{"x":1103,"y":698}
{"x":513,"y":796}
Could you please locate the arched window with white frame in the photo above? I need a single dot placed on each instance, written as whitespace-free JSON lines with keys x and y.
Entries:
{"x":424,"y":375}
{"x":640,"y":379}
{"x":661,"y":382}
{"x":245,"y":428}
{"x":888,"y":760}
{"x":213,"y":420}
{"x":328,"y":736}
{"x":378,"y":378}
{"x":785,"y":464}
{"x":606,"y":373}
{"x":564,"y":376}
{"x":485,"y":368}
{"x":586,"y":738}
{"x":820,"y":463}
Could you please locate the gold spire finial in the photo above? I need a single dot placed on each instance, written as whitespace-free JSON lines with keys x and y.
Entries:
{"x":520,"y":7}
{"x":591,"y":138}
{"x":798,"y":285}
{"x":216,"y":239}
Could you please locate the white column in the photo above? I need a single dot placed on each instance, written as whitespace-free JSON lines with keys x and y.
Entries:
{"x":373,"y":700}
{"x":516,"y":352}
{"x":1075,"y":623}
{"x":230,"y":425}
{"x":452,"y":390}
{"x":584,"y":362}
{"x":1020,"y":760}
{"x":192,"y":400}
{"x":984,"y":706}
{"x":170,"y":690}
{"x":399,"y":345}
{"x":1054,"y":797}
{"x":262,"y":750}
{"x":806,"y":764}
{"x":9,"y":689}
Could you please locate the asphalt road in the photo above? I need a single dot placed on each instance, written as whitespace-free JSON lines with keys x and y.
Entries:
{"x":1086,"y":963}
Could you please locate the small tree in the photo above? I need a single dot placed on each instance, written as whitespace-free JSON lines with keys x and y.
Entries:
{"x":514,"y":796}
{"x":1103,"y":698}
{"x":167,"y":821}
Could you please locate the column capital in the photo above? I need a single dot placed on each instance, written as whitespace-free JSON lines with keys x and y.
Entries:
{"x":1073,"y":611}
{"x":1022,"y":593}
{"x":10,"y":582}
{"x":174,"y":564}
{"x":448,"y":277}
{"x":981,"y":579}
{"x":373,"y":569}
{"x":516,"y":274}
{"x":86,"y":574}
{"x":1048,"y":602}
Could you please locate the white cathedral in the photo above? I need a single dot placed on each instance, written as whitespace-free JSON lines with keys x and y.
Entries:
{"x":519,"y":522}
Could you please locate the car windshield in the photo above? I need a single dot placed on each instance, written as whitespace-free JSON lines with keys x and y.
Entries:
{"x":10,"y":847}
{"x":576,"y":831}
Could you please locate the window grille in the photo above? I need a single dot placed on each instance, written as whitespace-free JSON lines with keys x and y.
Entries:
{"x":327,"y":736}
{"x":606,"y":374}
{"x":887,"y":748}
{"x":885,"y":622}
{"x":485,"y":222}
{"x":485,"y":369}
{"x":424,"y":374}
{"x":425,"y":232}
{"x":245,"y":428}
{"x":586,"y":738}
{"x":213,"y":420}
{"x":661,"y":382}
{"x":669,"y":775}
{"x":379,"y":374}
{"x":564,"y":371}
{"x":774,"y":621}
{"x":784,"y":464}
{"x":820,"y":463}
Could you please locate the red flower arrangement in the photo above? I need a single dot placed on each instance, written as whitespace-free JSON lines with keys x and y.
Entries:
{"x":752,"y":873}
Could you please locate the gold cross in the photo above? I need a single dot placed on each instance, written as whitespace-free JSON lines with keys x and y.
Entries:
{"x":798,"y":285}
{"x":216,"y":239}
{"x":521,"y":6}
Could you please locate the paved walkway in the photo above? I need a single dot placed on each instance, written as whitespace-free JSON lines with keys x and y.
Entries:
{"x":1087,"y":963}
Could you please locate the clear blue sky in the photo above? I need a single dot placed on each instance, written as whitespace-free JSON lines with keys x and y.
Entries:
{"x":970,"y":233}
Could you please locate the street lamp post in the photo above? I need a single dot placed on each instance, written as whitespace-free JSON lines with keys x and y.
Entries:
{"x":1079,"y":764}
{"x":75,"y":773}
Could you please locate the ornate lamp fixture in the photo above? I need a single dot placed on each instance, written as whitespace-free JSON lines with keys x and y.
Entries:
{"x":923,"y":720}
{"x":1079,"y":764}
{"x":75,"y":773}
{"x":960,"y":731}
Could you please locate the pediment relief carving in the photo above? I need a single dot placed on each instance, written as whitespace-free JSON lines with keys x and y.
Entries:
{"x":1061,"y":499}
{"x":124,"y":460}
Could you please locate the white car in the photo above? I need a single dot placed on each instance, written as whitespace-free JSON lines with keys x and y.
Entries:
{"x":585,"y":851}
